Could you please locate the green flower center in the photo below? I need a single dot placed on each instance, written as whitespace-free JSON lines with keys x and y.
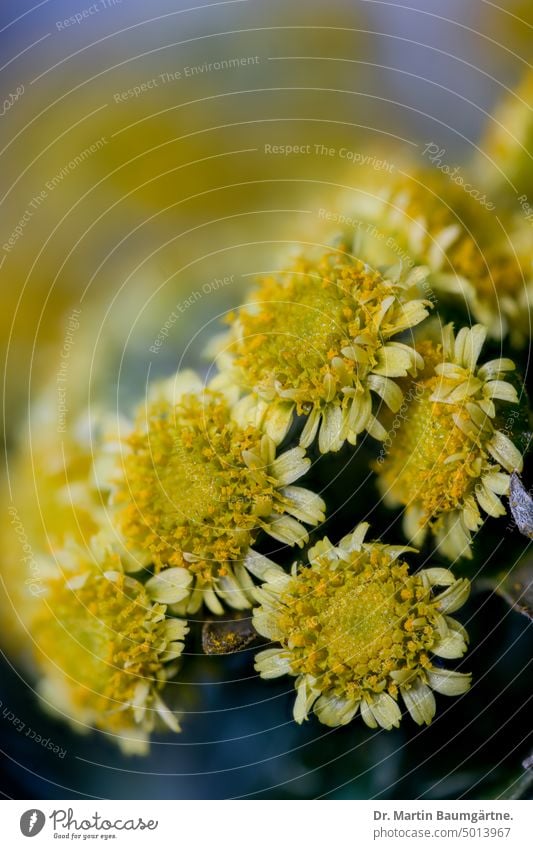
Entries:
{"x":351,"y":637}
{"x":351,"y":626}
{"x":188,"y":489}
{"x":303,"y":319}
{"x":197,"y":475}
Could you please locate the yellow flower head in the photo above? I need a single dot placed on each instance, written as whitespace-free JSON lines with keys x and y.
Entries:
{"x":450,"y":228}
{"x":56,"y":489}
{"x":103,"y":647}
{"x":196,"y":490}
{"x":318,"y":340}
{"x":358,"y":630}
{"x":446,"y":460}
{"x":58,"y":495}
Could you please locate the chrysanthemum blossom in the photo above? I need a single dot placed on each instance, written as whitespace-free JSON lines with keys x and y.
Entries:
{"x":320,"y":340}
{"x":447,"y":463}
{"x":197,"y":489}
{"x":358,"y":630}
{"x":105,"y":649}
{"x":443,"y":222}
{"x":60,"y":496}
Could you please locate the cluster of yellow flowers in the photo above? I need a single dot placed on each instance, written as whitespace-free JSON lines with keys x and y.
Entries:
{"x":150,"y":521}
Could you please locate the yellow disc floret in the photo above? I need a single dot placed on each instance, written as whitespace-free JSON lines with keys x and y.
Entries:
{"x":197,"y":488}
{"x":317,"y":340}
{"x":446,"y":459}
{"x":357,"y":629}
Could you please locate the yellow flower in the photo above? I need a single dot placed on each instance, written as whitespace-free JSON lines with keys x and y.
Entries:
{"x":446,"y":460}
{"x":55,"y":486}
{"x":358,"y":630}
{"x":318,"y":340}
{"x":103,"y":647}
{"x":59,"y":488}
{"x":196,"y":490}
{"x":428,"y":219}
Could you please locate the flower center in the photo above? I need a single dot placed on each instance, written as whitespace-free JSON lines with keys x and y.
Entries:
{"x":351,"y":627}
{"x":417,"y":466}
{"x":192,"y":490}
{"x":303,"y":319}
{"x":357,"y":622}
{"x":196,"y":473}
